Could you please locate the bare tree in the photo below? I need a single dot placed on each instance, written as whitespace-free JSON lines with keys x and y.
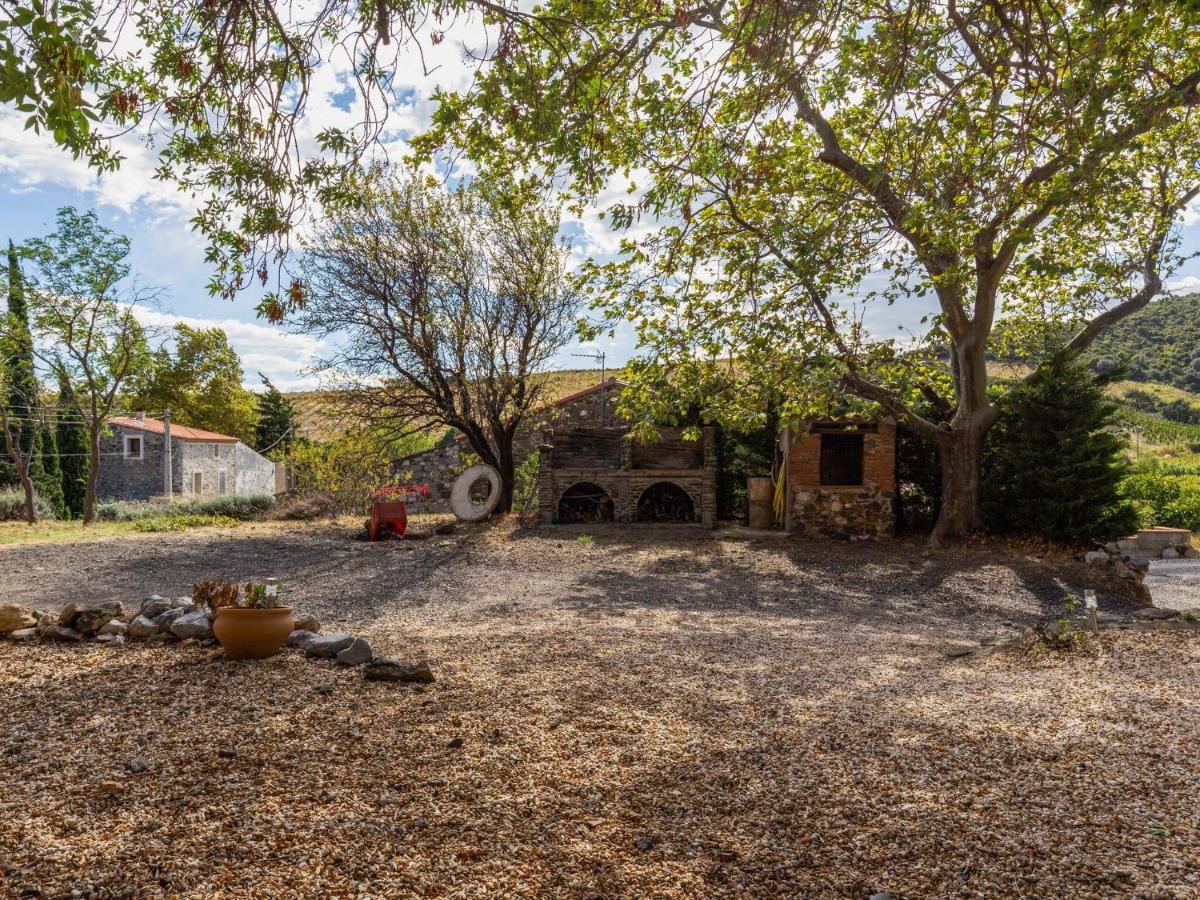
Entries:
{"x":444,"y":305}
{"x":84,"y":316}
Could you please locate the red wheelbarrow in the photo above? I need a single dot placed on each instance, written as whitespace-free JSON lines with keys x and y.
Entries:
{"x":389,"y":513}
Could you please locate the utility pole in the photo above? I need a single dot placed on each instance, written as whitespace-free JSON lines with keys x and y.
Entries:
{"x":167,"y":492}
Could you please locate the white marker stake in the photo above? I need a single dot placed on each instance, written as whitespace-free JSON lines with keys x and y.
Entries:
{"x":1093,"y":611}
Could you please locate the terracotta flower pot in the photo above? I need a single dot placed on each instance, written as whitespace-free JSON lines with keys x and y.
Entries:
{"x":252,"y":633}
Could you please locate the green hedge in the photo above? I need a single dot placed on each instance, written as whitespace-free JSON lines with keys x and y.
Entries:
{"x":1163,"y":498}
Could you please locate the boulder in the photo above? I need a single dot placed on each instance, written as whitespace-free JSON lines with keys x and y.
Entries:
{"x":155,"y":606}
{"x":192,"y":625}
{"x":165,"y":618}
{"x":69,"y":613}
{"x":394,"y":670}
{"x":357,"y":654}
{"x":111,"y":638}
{"x":142,"y":627}
{"x":327,"y":646}
{"x":89,"y":621}
{"x":24,"y":634}
{"x":1155,"y":614}
{"x":45,"y":620}
{"x":61,"y":633}
{"x":1096,"y":558}
{"x":308,"y":623}
{"x":1138,"y":563}
{"x":1170,"y":553}
{"x":115,"y":627}
{"x":300,"y":638}
{"x":15,"y":618}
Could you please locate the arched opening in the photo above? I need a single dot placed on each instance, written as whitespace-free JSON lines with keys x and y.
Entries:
{"x":584,"y":503}
{"x":665,"y":502}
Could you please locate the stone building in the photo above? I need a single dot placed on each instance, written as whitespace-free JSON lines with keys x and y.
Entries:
{"x":439,"y":466}
{"x":842,"y":478}
{"x":203,"y":463}
{"x":594,"y":474}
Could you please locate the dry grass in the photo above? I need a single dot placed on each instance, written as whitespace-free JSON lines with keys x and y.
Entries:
{"x":640,"y":716}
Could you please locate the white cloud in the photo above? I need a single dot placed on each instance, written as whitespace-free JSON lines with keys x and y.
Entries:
{"x":1184,"y":285}
{"x":280,"y":355}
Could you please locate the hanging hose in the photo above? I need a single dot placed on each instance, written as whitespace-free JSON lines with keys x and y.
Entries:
{"x":779,"y":478}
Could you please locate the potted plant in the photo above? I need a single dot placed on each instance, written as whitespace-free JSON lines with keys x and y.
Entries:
{"x":251,"y":623}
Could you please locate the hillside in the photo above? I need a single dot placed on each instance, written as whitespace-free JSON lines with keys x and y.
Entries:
{"x":1159,"y":344}
{"x":317,"y":411}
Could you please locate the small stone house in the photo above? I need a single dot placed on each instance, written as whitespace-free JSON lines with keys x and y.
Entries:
{"x":842,"y":478}
{"x":203,"y":463}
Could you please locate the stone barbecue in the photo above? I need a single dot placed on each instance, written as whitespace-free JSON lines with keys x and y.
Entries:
{"x":589,"y":475}
{"x":842,"y":478}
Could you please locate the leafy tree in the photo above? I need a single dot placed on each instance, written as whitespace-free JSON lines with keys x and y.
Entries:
{"x":1010,"y":176}
{"x":1053,"y":466}
{"x":71,"y":439}
{"x":446,"y":305}
{"x":200,"y":383}
{"x":276,"y":426}
{"x":84,"y":313}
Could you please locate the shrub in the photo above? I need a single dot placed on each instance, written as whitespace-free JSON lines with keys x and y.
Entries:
{"x":306,"y":509}
{"x":12,"y":506}
{"x":1164,"y":498}
{"x":181,"y":523}
{"x":1052,"y":465}
{"x":231,"y":506}
{"x":525,"y":488}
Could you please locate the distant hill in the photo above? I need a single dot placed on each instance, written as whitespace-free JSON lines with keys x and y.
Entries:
{"x":1159,"y":344}
{"x":318,"y":411}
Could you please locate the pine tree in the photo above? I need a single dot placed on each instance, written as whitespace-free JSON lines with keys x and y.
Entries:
{"x":1052,"y":466}
{"x":276,"y":427}
{"x":72,"y":441}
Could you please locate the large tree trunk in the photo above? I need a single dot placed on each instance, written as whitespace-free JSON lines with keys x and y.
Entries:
{"x":961,"y":451}
{"x":507,"y":469}
{"x":89,"y":497}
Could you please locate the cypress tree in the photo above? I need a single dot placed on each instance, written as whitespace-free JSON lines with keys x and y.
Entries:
{"x":1052,"y":465}
{"x":23,"y":399}
{"x":72,"y":441}
{"x":276,"y":428}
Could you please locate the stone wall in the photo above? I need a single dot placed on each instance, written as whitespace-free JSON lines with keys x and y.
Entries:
{"x":190,"y":457}
{"x":854,"y":510}
{"x":254,"y":473}
{"x":625,"y":477}
{"x":130,"y":479}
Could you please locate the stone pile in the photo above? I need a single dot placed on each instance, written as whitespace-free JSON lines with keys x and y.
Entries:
{"x":1131,"y":569}
{"x":161,"y":620}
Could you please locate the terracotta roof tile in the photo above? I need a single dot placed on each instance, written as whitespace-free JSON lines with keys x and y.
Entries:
{"x":183,"y":432}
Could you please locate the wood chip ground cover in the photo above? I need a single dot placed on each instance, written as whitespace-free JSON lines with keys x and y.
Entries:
{"x":645,"y":715}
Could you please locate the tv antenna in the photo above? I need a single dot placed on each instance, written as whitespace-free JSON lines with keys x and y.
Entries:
{"x":597,"y":356}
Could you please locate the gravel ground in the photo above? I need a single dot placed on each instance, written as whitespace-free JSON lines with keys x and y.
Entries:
{"x":1175,"y":583}
{"x":643,"y":714}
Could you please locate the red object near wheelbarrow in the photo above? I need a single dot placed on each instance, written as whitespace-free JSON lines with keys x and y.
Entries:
{"x":389,"y":513}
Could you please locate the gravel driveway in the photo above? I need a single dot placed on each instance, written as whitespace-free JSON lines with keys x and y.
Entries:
{"x":635,"y":714}
{"x":1175,"y":583}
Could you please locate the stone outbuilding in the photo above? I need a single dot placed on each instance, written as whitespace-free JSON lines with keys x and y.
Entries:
{"x":438,"y":467}
{"x":203,"y":463}
{"x":842,"y":478}
{"x":597,"y":474}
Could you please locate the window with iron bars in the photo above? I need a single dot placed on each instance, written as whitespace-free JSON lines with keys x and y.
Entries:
{"x":842,"y":459}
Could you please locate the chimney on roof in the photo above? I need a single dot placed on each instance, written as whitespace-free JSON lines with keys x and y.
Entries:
{"x":141,"y":415}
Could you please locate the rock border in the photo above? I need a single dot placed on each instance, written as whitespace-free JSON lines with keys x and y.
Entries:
{"x":164,"y":620}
